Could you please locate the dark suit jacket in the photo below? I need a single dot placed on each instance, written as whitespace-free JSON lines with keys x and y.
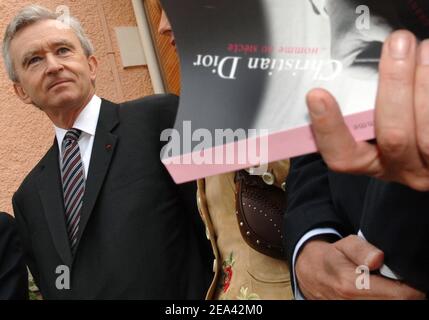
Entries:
{"x":13,"y":272}
{"x":391,"y":216}
{"x":138,"y":236}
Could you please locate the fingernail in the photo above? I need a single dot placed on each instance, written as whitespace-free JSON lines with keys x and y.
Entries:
{"x":399,"y":45}
{"x":370,"y":258}
{"x":424,"y":53}
{"x":374,"y":258}
{"x":317,"y":108}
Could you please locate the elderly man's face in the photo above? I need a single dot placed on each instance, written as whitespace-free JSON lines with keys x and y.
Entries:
{"x":53,"y":71}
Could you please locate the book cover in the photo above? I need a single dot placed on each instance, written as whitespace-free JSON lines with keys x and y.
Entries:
{"x":247,"y":66}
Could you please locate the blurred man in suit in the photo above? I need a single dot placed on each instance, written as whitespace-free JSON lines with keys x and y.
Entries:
{"x":13,"y":272}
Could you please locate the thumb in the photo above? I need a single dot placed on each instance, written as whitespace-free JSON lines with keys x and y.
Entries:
{"x":361,"y":252}
{"x":335,"y":142}
{"x":374,"y":259}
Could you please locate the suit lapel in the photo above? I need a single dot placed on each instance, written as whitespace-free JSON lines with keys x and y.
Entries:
{"x":50,"y":191}
{"x":101,"y":156}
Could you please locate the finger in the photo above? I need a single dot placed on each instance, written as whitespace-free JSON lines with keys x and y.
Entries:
{"x":360,"y":252}
{"x":332,"y":277}
{"x":341,"y":279}
{"x":381,"y":288}
{"x":373,"y":287}
{"x":421,"y":103}
{"x":335,"y":142}
{"x":394,"y":114}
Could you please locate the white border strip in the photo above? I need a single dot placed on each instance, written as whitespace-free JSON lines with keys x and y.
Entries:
{"x":148,"y":48}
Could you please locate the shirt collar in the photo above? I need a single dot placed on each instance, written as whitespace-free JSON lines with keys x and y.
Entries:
{"x":86,"y":121}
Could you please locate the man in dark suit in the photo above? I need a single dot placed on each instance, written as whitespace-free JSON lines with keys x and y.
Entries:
{"x":13,"y":272}
{"x":327,"y":210}
{"x":99,"y":216}
{"x":384,"y":200}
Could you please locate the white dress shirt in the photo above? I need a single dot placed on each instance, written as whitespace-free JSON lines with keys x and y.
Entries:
{"x":87,"y":123}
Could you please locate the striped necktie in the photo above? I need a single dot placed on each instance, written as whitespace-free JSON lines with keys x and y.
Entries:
{"x":73,"y":178}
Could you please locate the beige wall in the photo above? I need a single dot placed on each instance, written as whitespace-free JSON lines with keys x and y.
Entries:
{"x":25,"y":132}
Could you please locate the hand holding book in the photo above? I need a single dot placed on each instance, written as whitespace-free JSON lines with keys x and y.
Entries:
{"x":401,"y":120}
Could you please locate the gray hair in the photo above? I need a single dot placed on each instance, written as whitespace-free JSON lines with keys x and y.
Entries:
{"x":30,"y":15}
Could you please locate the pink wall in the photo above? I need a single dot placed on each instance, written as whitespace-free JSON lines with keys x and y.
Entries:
{"x":25,"y":132}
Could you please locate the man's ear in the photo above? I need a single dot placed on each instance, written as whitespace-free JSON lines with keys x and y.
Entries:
{"x":21,"y":93}
{"x":93,"y":67}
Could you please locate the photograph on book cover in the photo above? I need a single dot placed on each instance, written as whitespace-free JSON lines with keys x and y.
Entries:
{"x":246,"y":70}
{"x":168,"y":61}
